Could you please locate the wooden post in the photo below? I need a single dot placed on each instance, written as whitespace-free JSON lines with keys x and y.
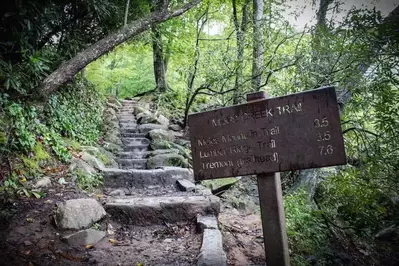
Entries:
{"x":272,"y":210}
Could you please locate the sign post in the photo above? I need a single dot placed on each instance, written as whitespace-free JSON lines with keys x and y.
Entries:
{"x":265,"y":137}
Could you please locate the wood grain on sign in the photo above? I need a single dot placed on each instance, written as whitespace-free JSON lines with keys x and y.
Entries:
{"x":292,"y":132}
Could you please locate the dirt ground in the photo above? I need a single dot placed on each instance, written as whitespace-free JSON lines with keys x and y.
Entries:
{"x":29,"y":237}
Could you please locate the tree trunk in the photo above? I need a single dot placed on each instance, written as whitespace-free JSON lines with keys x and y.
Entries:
{"x":68,"y":70}
{"x":159,"y":62}
{"x":257,"y":56}
{"x":157,"y":51}
{"x":240,"y":36}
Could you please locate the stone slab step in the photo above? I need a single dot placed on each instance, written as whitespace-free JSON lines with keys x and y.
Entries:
{"x":158,"y":210}
{"x":134,"y":155}
{"x":133,"y":163}
{"x":139,"y":148}
{"x":136,"y":178}
{"x":128,"y":120}
{"x":129,"y":130}
{"x":128,"y":125}
{"x":135,"y":141}
{"x":133,"y":135}
{"x":150,"y":191}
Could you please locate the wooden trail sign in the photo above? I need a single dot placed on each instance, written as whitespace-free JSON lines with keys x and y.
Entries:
{"x":264,"y":137}
{"x":292,"y":132}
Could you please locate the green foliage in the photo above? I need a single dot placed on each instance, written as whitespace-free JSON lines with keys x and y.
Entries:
{"x":76,"y":112}
{"x":89,"y":182}
{"x":306,"y":232}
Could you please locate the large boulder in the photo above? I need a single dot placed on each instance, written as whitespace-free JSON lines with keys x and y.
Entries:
{"x":168,"y":159}
{"x":78,"y":213}
{"x":161,"y":134}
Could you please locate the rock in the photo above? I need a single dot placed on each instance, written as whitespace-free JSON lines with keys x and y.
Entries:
{"x":106,"y":157}
{"x":219,"y":184}
{"x":175,"y":127}
{"x":78,"y":164}
{"x":162,"y":120}
{"x":139,"y":109}
{"x":117,"y":192}
{"x":145,"y":128}
{"x":110,"y":229}
{"x":43,"y":182}
{"x":92,"y":161}
{"x":113,"y":138}
{"x":161,"y":145}
{"x":146,"y":118}
{"x":206,"y":222}
{"x":28,"y":243}
{"x":161,"y":134}
{"x":183,"y":142}
{"x":168,"y":159}
{"x":212,"y":253}
{"x":200,"y":189}
{"x":114,"y":101}
{"x":84,"y":237}
{"x":185,"y":185}
{"x":113,"y":106}
{"x":115,"y":149}
{"x":78,"y":213}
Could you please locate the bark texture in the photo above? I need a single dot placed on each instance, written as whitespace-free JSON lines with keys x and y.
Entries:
{"x":69,"y":69}
{"x":257,"y":63}
{"x":241,"y":29}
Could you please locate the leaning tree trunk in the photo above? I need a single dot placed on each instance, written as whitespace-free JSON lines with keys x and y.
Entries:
{"x":257,"y":56}
{"x":69,"y":69}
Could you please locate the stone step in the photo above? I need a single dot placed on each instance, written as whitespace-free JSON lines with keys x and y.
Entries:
{"x":151,"y":191}
{"x":128,"y":125}
{"x":133,"y":163}
{"x":128,"y":120}
{"x":129,"y":130}
{"x":116,"y":178}
{"x":135,"y":141}
{"x":158,"y":210}
{"x":133,"y":135}
{"x":136,"y":148}
{"x":133,"y":155}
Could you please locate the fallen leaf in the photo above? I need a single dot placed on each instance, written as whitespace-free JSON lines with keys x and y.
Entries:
{"x":113,"y":241}
{"x":89,"y":246}
{"x":29,"y":220}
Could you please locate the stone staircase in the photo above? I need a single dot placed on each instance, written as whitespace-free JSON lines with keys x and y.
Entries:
{"x":151,"y":199}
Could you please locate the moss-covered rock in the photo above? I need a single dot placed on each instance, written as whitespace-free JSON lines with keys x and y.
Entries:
{"x":168,"y":159}
{"x":161,"y":134}
{"x":106,"y":157}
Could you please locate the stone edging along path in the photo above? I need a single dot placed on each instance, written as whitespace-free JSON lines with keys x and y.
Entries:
{"x":167,"y":195}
